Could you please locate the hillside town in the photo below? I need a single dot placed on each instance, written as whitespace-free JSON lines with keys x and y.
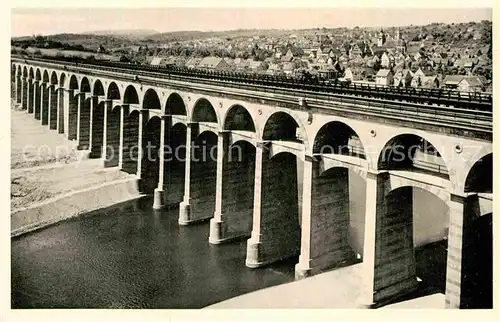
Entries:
{"x":452,"y":56}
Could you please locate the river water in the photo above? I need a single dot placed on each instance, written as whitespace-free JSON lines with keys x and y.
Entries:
{"x":130,"y":256}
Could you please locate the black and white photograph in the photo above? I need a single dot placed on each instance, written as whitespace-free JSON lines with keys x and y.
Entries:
{"x":251,"y":158}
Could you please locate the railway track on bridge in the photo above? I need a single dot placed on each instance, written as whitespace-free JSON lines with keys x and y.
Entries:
{"x":473,"y":114}
{"x":440,"y":97}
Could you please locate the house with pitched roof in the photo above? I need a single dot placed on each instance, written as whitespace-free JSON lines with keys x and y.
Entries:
{"x":384,"y":77}
{"x":452,"y":81}
{"x":403,"y":78}
{"x":193,"y":62}
{"x":353,"y":73}
{"x":214,"y":63}
{"x":470,"y":84}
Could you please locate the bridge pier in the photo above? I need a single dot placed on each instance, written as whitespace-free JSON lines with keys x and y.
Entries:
{"x":159,"y":192}
{"x":83,"y":121}
{"x":37,"y":99}
{"x":97,"y":128}
{"x":325,"y":219}
{"x":143,"y":119}
{"x":24,"y":94}
{"x":463,"y":211}
{"x":44,"y":104}
{"x":276,"y":230}
{"x":62,"y":110}
{"x":73,"y":98}
{"x":389,"y":268}
{"x":218,"y":227}
{"x":234,"y":190}
{"x":185,"y":205}
{"x":19,"y":90}
{"x":94,"y":103}
{"x":31,"y":96}
{"x":113,"y":128}
{"x":202,"y":177}
{"x":53,"y":102}
{"x":124,"y":111}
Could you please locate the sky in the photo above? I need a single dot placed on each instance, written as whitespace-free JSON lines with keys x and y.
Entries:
{"x":26,"y":22}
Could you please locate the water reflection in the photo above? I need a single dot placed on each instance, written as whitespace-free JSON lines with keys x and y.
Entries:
{"x":130,"y":256}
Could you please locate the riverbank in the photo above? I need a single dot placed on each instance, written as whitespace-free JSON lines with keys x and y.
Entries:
{"x":72,"y":204}
{"x":336,"y":289}
{"x":33,"y":144}
{"x":51,"y":180}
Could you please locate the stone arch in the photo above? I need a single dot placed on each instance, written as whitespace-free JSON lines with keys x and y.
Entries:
{"x":408,"y":234}
{"x":397,"y":182}
{"x":203,"y":111}
{"x":175,"y":105}
{"x":62,"y":80}
{"x":238,"y":190}
{"x":130,"y":142}
{"x":113,"y":91}
{"x":468,"y":157}
{"x":84,"y":115}
{"x":113,"y":125}
{"x":85,"y":85}
{"x":203,"y":175}
{"x":61,"y":123}
{"x":477,"y":284}
{"x":151,"y":100}
{"x":98,"y":89}
{"x":337,"y":137}
{"x":17,"y":84}
{"x":96,"y":150}
{"x":150,"y":165}
{"x":412,"y":152}
{"x":25,"y":72}
{"x":279,"y":207}
{"x":38,"y":75}
{"x":13,"y":73}
{"x":428,"y":213}
{"x":73,"y":82}
{"x":53,"y":78}
{"x":282,"y":126}
{"x":480,"y":177}
{"x":45,"y":77}
{"x":19,"y":72}
{"x":338,"y":198}
{"x":238,"y":118}
{"x":175,"y":163}
{"x":31,"y":74}
{"x":130,"y":96}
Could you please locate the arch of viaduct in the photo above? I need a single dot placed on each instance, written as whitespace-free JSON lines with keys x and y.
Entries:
{"x":249,"y":187}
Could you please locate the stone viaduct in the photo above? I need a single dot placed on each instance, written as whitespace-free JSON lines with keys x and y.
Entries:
{"x":276,"y":168}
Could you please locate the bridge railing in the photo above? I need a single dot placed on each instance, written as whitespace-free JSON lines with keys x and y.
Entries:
{"x":478,"y":119}
{"x":479,"y":101}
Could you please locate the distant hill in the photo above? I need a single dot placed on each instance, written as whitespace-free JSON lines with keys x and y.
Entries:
{"x":194,"y":34}
{"x":136,"y":33}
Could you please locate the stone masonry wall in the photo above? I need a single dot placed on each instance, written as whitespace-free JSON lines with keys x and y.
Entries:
{"x":280,"y":230}
{"x":203,"y":178}
{"x":45,"y":105}
{"x":85,"y":105}
{"x":330,"y":219}
{"x":238,"y":192}
{"x":394,"y":254}
{"x":113,"y":139}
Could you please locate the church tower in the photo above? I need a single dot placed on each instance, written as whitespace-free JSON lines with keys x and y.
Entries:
{"x":381,"y":38}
